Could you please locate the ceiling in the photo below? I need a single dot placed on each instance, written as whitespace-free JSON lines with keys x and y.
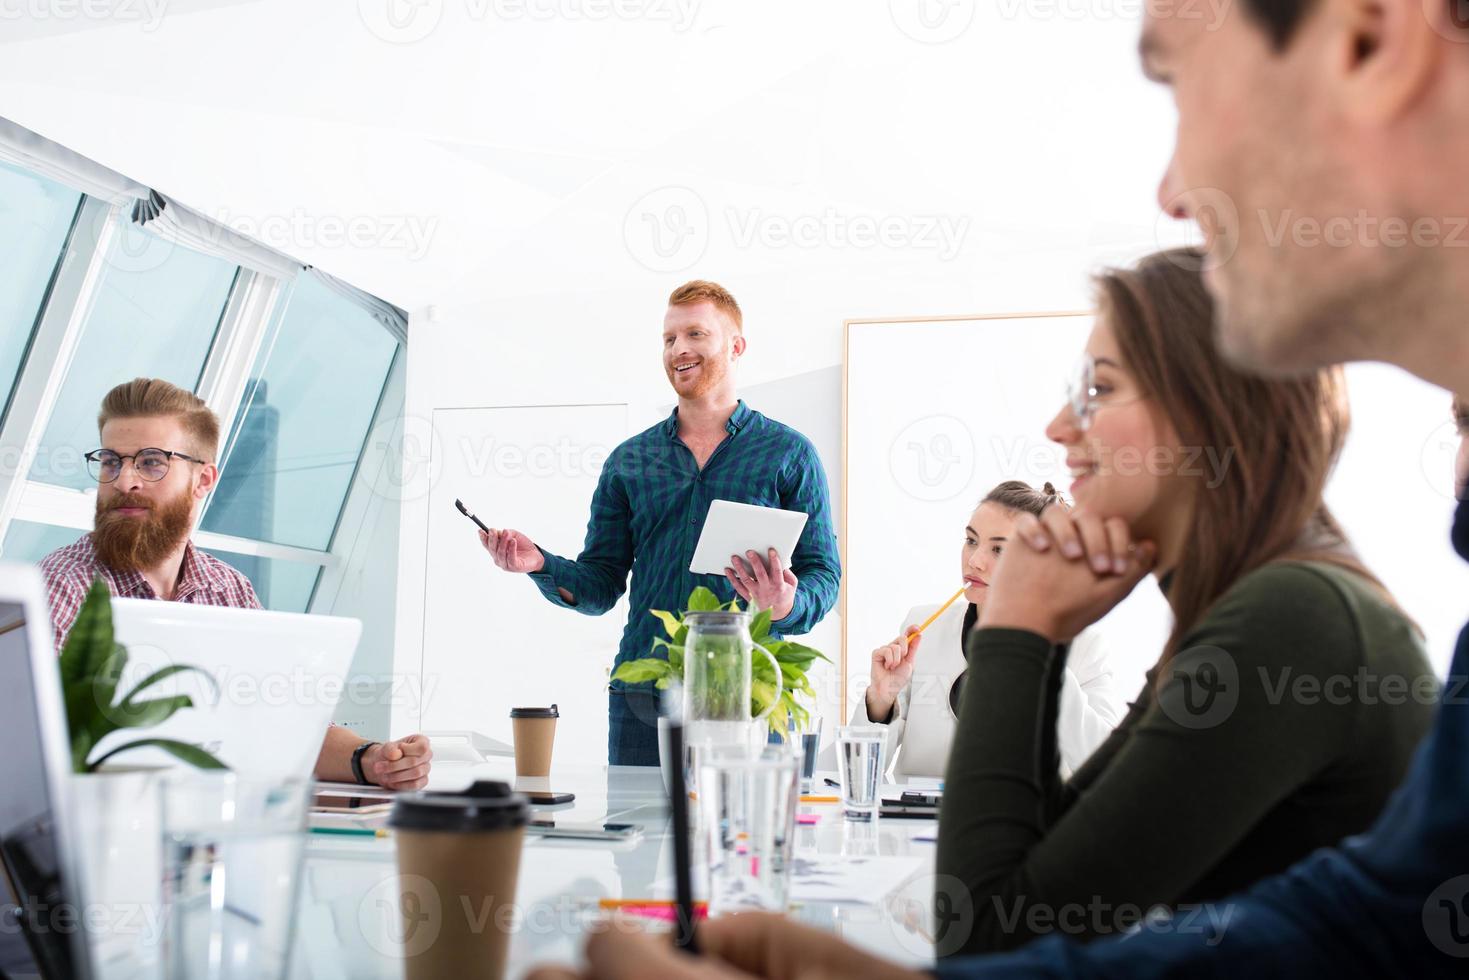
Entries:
{"x":445,"y":151}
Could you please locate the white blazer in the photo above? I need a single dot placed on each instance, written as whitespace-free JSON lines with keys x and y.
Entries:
{"x":922,"y":725}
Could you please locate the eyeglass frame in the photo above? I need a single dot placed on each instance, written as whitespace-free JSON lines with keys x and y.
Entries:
{"x":169,"y":456}
{"x":1084,"y":400}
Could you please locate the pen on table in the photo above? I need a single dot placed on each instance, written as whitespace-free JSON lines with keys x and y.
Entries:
{"x":929,"y":621}
{"x":832,"y":782}
{"x":683,"y":875}
{"x":352,"y":831}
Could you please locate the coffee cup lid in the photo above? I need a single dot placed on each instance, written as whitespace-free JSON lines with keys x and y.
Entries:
{"x":551,"y":712}
{"x":486,"y":805}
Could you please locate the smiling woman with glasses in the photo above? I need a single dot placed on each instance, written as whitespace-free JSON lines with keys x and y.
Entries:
{"x":151,"y":464}
{"x":1211,"y":480}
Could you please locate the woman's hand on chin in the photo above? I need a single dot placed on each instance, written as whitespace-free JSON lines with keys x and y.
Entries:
{"x":1062,"y":572}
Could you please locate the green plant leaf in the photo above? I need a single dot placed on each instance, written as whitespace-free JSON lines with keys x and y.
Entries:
{"x":761,"y":694}
{"x":702,"y":600}
{"x":90,"y":640}
{"x":143,"y":714}
{"x":760,"y":627}
{"x":671,"y":623}
{"x":90,"y":663}
{"x":675,"y":659}
{"x":641,"y":671}
{"x":192,"y":754}
{"x":795,"y":653}
{"x":163,"y":673}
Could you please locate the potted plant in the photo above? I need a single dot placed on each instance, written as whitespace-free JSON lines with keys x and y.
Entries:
{"x":91,"y":664}
{"x":793,"y":658}
{"x":117,"y":817}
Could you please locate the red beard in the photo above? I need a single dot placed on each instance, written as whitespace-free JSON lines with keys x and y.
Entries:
{"x":132,"y":544}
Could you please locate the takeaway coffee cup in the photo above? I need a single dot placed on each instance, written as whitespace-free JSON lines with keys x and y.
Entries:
{"x":535,"y":733}
{"x":458,"y":860}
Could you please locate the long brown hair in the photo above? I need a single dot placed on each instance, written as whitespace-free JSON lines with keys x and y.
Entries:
{"x":1282,"y":437}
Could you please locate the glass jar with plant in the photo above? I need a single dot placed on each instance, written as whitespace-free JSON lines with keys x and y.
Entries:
{"x":776,"y":685}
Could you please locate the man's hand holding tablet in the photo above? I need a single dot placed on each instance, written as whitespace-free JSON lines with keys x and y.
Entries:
{"x":763,"y":583}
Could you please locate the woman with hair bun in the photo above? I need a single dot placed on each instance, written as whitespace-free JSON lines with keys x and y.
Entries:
{"x":917,"y":696}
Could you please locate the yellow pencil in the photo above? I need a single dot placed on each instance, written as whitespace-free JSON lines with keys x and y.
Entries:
{"x":929,"y":621}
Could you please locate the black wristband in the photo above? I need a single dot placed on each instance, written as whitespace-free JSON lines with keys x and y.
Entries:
{"x":357,"y":754}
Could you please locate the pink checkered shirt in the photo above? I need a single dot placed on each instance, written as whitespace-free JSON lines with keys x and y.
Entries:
{"x":203,"y":580}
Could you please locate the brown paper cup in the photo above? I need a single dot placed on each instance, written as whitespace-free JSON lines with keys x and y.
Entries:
{"x":535,"y":736}
{"x":458,"y":863}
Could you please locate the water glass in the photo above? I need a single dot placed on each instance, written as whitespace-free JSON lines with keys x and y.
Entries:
{"x":232,"y":850}
{"x":859,"y":768}
{"x":810,"y":744}
{"x":747,"y":806}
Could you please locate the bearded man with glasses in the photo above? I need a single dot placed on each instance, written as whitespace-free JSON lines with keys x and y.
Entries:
{"x":154,"y":470}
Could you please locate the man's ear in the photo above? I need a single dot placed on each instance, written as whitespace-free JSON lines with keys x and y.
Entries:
{"x":208,"y":477}
{"x":1388,"y":52}
{"x":737,"y":346}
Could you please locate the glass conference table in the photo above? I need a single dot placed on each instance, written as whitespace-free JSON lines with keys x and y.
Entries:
{"x":347,"y":925}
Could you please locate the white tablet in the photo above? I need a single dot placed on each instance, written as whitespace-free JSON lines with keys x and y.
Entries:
{"x":733,"y":529}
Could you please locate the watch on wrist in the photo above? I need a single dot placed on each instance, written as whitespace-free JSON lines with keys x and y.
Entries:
{"x":357,"y":754}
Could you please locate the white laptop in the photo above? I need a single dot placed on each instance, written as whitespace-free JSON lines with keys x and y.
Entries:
{"x":277,"y":678}
{"x":36,"y":853}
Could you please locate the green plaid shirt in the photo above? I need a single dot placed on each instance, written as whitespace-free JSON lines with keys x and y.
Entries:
{"x":649,"y":508}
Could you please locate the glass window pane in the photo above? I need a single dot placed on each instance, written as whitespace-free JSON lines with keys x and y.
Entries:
{"x":35,"y":217}
{"x":284,"y":586}
{"x":303,"y":423}
{"x":155,"y":314}
{"x":28,"y":541}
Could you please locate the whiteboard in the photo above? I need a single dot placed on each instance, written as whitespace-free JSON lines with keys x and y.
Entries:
{"x":490,"y":640}
{"x":939,"y":411}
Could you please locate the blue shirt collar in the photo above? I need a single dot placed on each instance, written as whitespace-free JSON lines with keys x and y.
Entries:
{"x":741,"y":417}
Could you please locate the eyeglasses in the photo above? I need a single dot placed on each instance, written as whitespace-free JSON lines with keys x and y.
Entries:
{"x":151,"y":464}
{"x":1085,"y":396}
{"x":1081,"y":391}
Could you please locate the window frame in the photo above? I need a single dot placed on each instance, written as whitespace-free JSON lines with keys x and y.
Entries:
{"x":251,"y":318}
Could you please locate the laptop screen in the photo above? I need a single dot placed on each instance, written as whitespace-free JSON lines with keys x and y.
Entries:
{"x":35,"y":925}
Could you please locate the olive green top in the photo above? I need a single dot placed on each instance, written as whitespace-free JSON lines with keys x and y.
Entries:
{"x":1282,"y":725}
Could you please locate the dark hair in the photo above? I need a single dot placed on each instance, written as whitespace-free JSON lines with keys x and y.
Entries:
{"x":1280,"y":18}
{"x":1019,"y":495}
{"x":1284,"y":434}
